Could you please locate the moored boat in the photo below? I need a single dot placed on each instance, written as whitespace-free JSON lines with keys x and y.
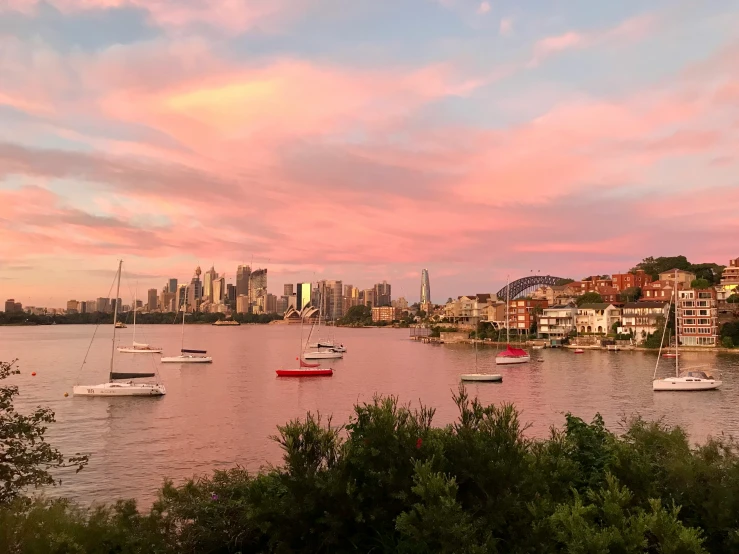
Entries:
{"x":492,"y":377}
{"x":305,"y":372}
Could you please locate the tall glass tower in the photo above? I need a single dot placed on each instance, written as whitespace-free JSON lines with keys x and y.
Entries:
{"x":425,"y":287}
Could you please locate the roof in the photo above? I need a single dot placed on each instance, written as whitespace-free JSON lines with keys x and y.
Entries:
{"x":645,"y":304}
{"x":484,"y":297}
{"x":596,"y":306}
{"x":674,"y":269}
{"x":560,"y":307}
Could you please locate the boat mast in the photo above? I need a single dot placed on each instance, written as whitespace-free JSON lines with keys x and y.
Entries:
{"x":677,"y":332}
{"x":134,"y":313}
{"x":115,"y":319}
{"x":182,"y":342}
{"x":507,"y":303}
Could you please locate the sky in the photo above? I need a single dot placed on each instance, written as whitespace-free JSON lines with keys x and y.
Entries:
{"x":362,"y":140}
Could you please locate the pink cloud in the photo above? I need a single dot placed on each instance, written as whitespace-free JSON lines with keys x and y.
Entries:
{"x":506,"y":26}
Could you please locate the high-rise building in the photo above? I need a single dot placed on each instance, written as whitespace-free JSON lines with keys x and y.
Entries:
{"x":73,"y":307}
{"x":289,"y":289}
{"x":218,"y":293}
{"x":208,"y":279}
{"x":10,"y":305}
{"x":181,"y":300}
{"x":257,"y":285}
{"x":334,"y":300}
{"x":697,"y":315}
{"x":243,"y":273}
{"x":242,"y":304}
{"x":271,"y":304}
{"x":231,"y":295}
{"x":168,"y":300}
{"x":195,"y":291}
{"x":382,"y":294}
{"x":83,"y":307}
{"x":153,"y":302}
{"x":425,"y":287}
{"x":367,"y":297}
{"x":303,"y":296}
{"x":172,"y":286}
{"x":102,"y":305}
{"x":282,"y":304}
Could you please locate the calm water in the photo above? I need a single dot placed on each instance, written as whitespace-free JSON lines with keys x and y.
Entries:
{"x":221,"y":415}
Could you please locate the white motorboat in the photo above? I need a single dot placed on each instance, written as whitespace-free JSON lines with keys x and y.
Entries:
{"x":690,"y":379}
{"x":510,"y":355}
{"x":493,"y":377}
{"x":120,"y":383}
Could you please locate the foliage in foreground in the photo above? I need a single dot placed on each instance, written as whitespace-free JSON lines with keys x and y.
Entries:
{"x":391,"y":482}
{"x":25,"y":457}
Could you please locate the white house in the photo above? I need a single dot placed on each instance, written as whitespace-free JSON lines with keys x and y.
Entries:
{"x":558,"y":321}
{"x":597,"y":318}
{"x":643,"y":318}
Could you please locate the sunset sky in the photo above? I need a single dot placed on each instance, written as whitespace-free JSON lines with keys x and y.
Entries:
{"x":362,"y":140}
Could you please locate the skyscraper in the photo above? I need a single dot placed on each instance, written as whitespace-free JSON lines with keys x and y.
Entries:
{"x":218,"y":295}
{"x":425,"y":287}
{"x":382,"y":294}
{"x":303,"y":296}
{"x":195,"y":290}
{"x":152,"y":296}
{"x":257,"y":285}
{"x":231,"y":295}
{"x":271,"y":304}
{"x":289,"y":289}
{"x":172,"y":286}
{"x":208,"y":279}
{"x":243,"y":272}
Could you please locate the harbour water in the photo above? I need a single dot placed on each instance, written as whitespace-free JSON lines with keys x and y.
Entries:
{"x":222,"y":414}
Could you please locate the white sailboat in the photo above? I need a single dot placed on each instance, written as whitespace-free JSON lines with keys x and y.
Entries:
{"x":323,"y":352}
{"x":494,"y":377}
{"x":137,"y":347}
{"x":187,"y":355}
{"x":690,"y":379}
{"x":325,"y":342}
{"x":510,"y":355}
{"x":117,"y":384}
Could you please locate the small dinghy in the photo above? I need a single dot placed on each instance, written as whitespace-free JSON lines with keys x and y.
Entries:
{"x":305,"y":372}
{"x":492,"y":377}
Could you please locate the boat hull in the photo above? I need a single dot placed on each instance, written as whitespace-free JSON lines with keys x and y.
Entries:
{"x":507,"y":360}
{"x":187,"y":360}
{"x":683,"y":384}
{"x":322,"y":355}
{"x":128,"y":350}
{"x":492,"y":377}
{"x":305,"y":372}
{"x":119,"y":389}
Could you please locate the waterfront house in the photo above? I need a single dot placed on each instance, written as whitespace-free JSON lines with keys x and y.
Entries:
{"x":643,"y":318}
{"x":468,"y":310}
{"x":558,"y":321}
{"x":522,"y":313}
{"x":385,"y":313}
{"x":597,"y":318}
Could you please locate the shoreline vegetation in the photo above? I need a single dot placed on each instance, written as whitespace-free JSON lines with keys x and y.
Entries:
{"x":100,"y":318}
{"x":391,"y":481}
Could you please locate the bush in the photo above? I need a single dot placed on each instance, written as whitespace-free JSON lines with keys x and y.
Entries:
{"x":727,"y":342}
{"x":389,"y":481}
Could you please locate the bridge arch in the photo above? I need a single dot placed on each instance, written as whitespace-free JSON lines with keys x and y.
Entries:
{"x":528,"y":284}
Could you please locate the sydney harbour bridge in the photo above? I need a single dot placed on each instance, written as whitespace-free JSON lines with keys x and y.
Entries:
{"x":527,"y":285}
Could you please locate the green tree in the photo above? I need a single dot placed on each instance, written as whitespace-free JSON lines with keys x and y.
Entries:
{"x":561,"y":282}
{"x":733,"y":299}
{"x":26,"y":459}
{"x":589,"y":298}
{"x":631,"y":294}
{"x":700,"y":284}
{"x":727,"y":342}
{"x":357,"y":316}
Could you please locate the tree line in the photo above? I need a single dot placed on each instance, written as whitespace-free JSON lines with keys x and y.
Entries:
{"x":154,"y":318}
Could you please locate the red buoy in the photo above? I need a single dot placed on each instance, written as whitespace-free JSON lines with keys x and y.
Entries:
{"x":33,"y":374}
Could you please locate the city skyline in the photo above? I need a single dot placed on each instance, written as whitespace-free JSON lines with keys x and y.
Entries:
{"x":475,"y":139}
